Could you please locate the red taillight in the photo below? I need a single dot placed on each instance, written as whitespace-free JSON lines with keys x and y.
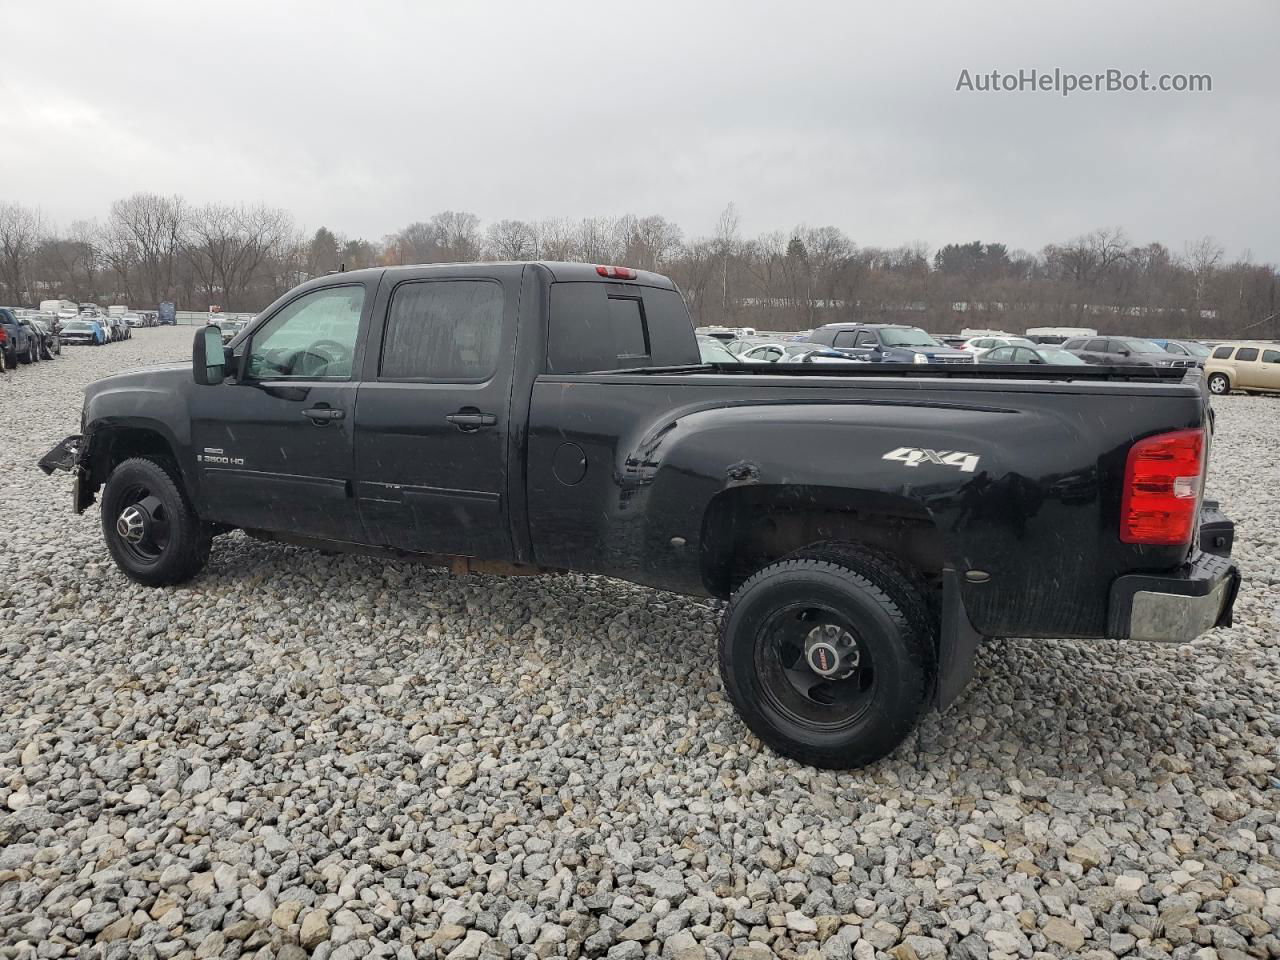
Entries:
{"x":616,"y":273}
{"x":1162,"y":488}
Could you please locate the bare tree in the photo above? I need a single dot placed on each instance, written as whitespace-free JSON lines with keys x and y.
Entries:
{"x":21,"y":230}
{"x":556,"y":239}
{"x":146,"y":233}
{"x":726,"y":243}
{"x":511,"y":240}
{"x":597,"y":240}
{"x":458,"y":236}
{"x":226,"y":245}
{"x":1203,"y":256}
{"x":649,"y":242}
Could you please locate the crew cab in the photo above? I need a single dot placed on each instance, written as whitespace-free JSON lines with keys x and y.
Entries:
{"x":867,"y":523}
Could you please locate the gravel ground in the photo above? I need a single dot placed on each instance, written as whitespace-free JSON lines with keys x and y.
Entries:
{"x":344,"y":757}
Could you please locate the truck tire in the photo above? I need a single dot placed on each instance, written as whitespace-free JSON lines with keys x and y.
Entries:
{"x":152,"y":532}
{"x":829,"y":659}
{"x":1219,"y":384}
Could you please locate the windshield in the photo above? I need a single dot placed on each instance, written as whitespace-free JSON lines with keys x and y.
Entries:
{"x":907,"y":337}
{"x":1061,"y":357}
{"x":1142,"y":346}
{"x":713,"y":351}
{"x":76,"y":325}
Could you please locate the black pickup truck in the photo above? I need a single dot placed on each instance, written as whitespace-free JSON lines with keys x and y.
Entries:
{"x":868,"y":525}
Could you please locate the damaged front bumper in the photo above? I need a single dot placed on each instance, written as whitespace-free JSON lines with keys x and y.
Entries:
{"x":1178,"y":606}
{"x":68,"y":456}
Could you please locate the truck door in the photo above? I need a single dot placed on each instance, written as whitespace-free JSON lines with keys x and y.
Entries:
{"x":431,"y":424}
{"x":274,"y":448}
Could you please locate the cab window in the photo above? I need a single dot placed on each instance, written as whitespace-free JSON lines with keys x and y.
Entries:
{"x":443,"y":330}
{"x":312,"y":338}
{"x":867,"y":339}
{"x":1247,"y":354}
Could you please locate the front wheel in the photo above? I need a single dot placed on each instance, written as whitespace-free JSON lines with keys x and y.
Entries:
{"x":1219,"y":384}
{"x":829,"y":658}
{"x":151,"y":531}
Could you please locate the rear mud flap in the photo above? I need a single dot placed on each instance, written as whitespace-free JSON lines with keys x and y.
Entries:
{"x":957,"y":645}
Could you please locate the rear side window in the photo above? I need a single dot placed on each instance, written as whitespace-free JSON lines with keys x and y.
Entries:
{"x":443,"y":330}
{"x":1222,"y":353}
{"x":630,"y":332}
{"x":844,"y":338}
{"x":1097,"y":346}
{"x":1247,"y":353}
{"x":612,"y":326}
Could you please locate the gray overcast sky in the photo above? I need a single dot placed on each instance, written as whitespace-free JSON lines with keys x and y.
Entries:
{"x":367,"y":116}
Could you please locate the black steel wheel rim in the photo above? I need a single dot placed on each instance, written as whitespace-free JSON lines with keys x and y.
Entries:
{"x":789,"y":683}
{"x":142,"y":524}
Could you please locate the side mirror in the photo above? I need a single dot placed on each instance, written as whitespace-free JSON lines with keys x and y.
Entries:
{"x":208,"y":361}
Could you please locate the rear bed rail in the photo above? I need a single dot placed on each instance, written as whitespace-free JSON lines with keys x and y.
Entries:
{"x":976,"y":371}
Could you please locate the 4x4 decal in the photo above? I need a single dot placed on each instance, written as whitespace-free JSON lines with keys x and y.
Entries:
{"x":914,"y":456}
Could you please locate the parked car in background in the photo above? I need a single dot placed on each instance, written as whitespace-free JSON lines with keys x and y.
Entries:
{"x":119,"y":329}
{"x":19,"y":344}
{"x":40,"y":350}
{"x":1251,"y":367}
{"x":57,"y":306}
{"x":979,"y":344}
{"x":1124,"y":351}
{"x":743,"y":344}
{"x":230,"y":328}
{"x":950,"y":339}
{"x":714,"y":351}
{"x":87,"y":330}
{"x":50,"y":341}
{"x":1197,"y":351}
{"x":1036,"y":353}
{"x":133,"y":319}
{"x":1058,"y":335}
{"x":167,"y":315}
{"x":775,"y":352}
{"x":824,"y":355}
{"x":887,"y":342}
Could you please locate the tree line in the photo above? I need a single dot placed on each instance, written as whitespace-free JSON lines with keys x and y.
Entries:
{"x":152,"y":248}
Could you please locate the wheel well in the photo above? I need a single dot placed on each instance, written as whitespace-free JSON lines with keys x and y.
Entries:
{"x":112,"y":446}
{"x":749,"y":527}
